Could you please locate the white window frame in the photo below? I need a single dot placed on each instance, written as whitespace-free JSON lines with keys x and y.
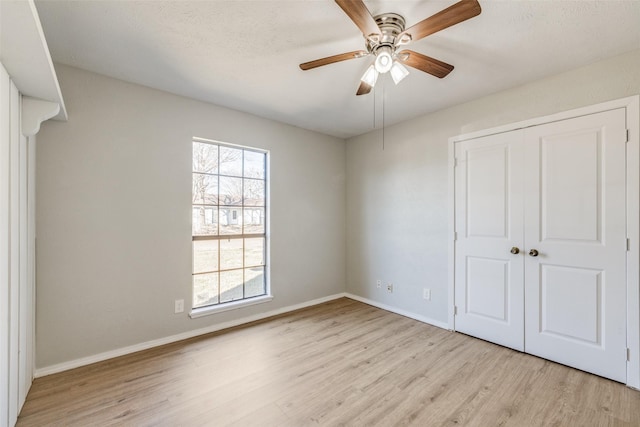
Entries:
{"x":245,"y":302}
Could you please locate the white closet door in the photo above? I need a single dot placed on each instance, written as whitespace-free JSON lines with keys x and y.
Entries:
{"x":575,"y":219}
{"x":489,"y":223}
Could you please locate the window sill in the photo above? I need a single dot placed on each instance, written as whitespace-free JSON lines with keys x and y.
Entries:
{"x":206,"y":311}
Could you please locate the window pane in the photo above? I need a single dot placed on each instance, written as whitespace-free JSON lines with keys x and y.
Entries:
{"x":254,"y":164}
{"x":205,"y":220}
{"x":205,"y":189}
{"x":231,"y":285}
{"x":230,"y":191}
{"x":253,"y":220}
{"x":228,"y":201}
{"x":230,"y":220}
{"x":254,"y":252}
{"x":205,"y":157}
{"x":205,"y":256}
{"x":230,"y":161}
{"x":230,"y":254}
{"x":254,"y":282}
{"x":205,"y":289}
{"x":253,"y":192}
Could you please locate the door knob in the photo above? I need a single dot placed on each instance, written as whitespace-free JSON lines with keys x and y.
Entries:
{"x":533,"y":252}
{"x":515,"y":250}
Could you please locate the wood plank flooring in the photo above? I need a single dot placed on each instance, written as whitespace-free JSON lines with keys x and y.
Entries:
{"x":342,"y":363}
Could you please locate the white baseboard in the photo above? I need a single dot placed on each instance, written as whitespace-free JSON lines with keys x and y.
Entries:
{"x":423,"y":319}
{"x":65,"y":366}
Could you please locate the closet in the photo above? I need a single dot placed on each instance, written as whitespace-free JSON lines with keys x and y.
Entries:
{"x":540,"y":249}
{"x":29,"y":95}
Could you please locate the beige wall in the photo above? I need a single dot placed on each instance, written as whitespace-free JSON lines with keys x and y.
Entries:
{"x":397,"y":209}
{"x":114,"y":215}
{"x":113,"y":211}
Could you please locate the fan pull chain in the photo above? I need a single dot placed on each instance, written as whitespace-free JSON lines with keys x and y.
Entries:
{"x":374,"y":108}
{"x":383,"y":114}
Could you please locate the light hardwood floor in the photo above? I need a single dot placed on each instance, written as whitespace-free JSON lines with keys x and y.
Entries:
{"x":338,"y":363}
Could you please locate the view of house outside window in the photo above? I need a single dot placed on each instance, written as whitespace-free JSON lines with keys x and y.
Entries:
{"x":228,"y":223}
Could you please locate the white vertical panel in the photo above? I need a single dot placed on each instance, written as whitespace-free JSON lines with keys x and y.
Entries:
{"x":584,"y":321}
{"x":487,"y":286}
{"x":31,"y":258}
{"x":570,"y":206}
{"x":4,"y":245}
{"x":23,"y":380}
{"x":487,"y":191}
{"x":14,"y":254}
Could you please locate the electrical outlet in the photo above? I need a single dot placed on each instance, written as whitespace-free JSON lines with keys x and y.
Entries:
{"x":426,"y":294}
{"x":390,"y":288}
{"x":178,"y":306}
{"x":379,"y":284}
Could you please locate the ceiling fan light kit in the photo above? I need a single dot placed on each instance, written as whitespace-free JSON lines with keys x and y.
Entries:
{"x":384,"y":60}
{"x":385,"y":34}
{"x":370,"y":76}
{"x":398,"y":72}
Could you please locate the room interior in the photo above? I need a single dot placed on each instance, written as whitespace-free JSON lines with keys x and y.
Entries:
{"x":96,"y":242}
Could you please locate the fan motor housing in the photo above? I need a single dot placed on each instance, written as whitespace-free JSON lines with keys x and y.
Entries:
{"x":390,"y":24}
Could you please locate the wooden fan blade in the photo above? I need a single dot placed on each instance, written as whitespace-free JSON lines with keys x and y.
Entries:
{"x":332,"y":59}
{"x":425,"y":63}
{"x":452,"y":15}
{"x":363,"y":89}
{"x":360,"y":15}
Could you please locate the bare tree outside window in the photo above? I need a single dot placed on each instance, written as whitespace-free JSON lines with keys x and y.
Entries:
{"x":228,"y":223}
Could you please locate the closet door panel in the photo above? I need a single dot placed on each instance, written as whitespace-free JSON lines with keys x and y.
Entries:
{"x":575,"y":220}
{"x":488,"y":277}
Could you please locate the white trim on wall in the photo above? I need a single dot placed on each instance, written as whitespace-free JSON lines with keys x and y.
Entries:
{"x":65,"y":366}
{"x":451,"y":250}
{"x":60,"y":367}
{"x":26,"y":307}
{"x":31,"y":258}
{"x":632,"y":107}
{"x":28,"y":61}
{"x":5,"y":144}
{"x":633,"y":232}
{"x":401,"y":312}
{"x":14,"y":255}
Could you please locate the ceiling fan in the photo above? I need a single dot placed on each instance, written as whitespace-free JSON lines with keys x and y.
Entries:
{"x":385,"y":34}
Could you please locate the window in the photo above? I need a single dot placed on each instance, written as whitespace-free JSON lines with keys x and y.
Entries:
{"x":229,"y":239}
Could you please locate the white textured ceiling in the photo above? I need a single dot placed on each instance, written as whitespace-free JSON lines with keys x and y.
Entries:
{"x":245,"y":54}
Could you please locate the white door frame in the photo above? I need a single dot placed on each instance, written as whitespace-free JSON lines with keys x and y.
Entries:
{"x":632,"y":107}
